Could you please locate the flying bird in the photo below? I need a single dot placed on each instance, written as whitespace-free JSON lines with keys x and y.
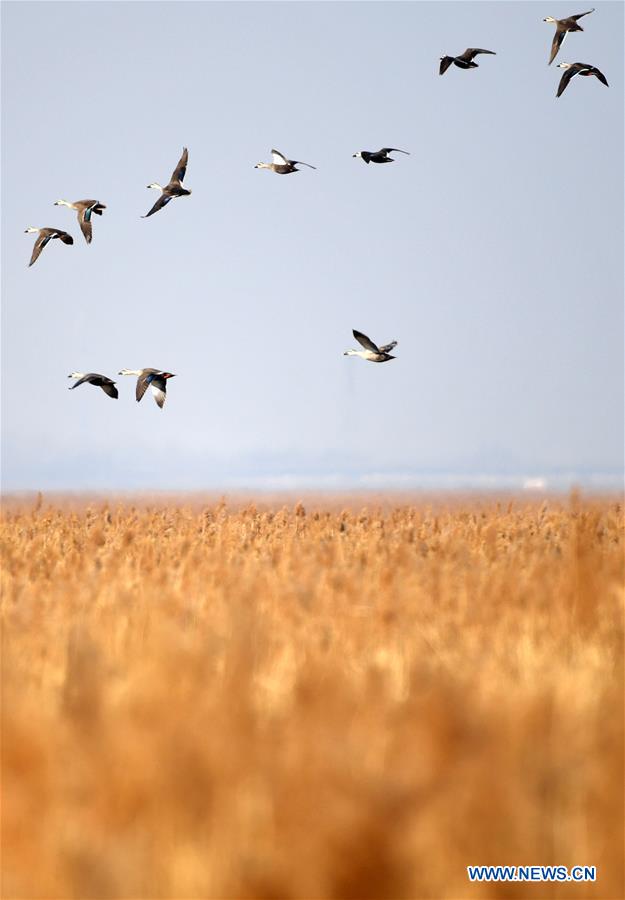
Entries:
{"x":372,"y":352}
{"x":85,"y":209}
{"x":107,"y":385}
{"x":379,"y":156}
{"x":573,"y":69}
{"x":46,"y":235}
{"x":281,"y":165}
{"x":154,"y":378}
{"x":562,"y":26}
{"x":174,"y":188}
{"x":464,"y":61}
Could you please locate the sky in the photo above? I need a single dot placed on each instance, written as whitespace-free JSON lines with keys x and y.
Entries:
{"x":493,"y":253}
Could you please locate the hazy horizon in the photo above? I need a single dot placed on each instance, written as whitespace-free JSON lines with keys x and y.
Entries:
{"x":493,"y":253}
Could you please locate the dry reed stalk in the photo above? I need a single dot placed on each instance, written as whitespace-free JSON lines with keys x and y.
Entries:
{"x":287,"y":703}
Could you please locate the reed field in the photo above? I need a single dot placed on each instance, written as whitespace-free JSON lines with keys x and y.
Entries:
{"x":311,"y":700}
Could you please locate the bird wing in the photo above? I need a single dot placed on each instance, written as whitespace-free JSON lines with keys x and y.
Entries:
{"x":393,"y":150}
{"x":159,"y":386}
{"x":64,"y":236}
{"x":446,"y":61}
{"x":365,"y":342}
{"x":180,"y":170}
{"x":40,"y":243}
{"x":298,"y":162}
{"x":84,"y":220}
{"x":109,"y":388}
{"x":556,"y":44}
{"x":82,"y":380}
{"x":279,"y":159}
{"x":470,"y":52}
{"x":142,"y":385}
{"x":568,"y":74}
{"x":388,"y":347}
{"x":581,"y":15}
{"x":600,"y":76}
{"x":162,"y":201}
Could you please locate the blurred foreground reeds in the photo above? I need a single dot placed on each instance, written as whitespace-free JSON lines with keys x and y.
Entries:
{"x":311,"y":703}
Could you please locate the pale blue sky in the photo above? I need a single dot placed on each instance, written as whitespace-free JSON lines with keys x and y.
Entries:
{"x":493,"y":253}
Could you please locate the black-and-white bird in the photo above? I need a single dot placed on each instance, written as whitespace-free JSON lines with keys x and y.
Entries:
{"x":372,"y":353}
{"x":107,"y":385}
{"x":464,"y":61}
{"x":174,"y":188}
{"x":379,"y":156}
{"x":85,"y":209}
{"x":562,"y":27}
{"x":573,"y":69}
{"x":46,"y":235}
{"x":281,"y":165}
{"x":153,"y":378}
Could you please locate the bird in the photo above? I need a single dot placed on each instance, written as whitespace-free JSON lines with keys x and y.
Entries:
{"x":154,"y":378}
{"x":281,"y":165}
{"x":464,"y":61}
{"x":45,"y":235}
{"x":562,"y":26}
{"x":379,"y":156}
{"x":84,"y":208}
{"x":372,"y":352}
{"x":107,"y":385}
{"x":573,"y":69}
{"x":174,"y":188}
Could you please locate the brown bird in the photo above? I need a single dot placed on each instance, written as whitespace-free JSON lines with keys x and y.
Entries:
{"x":378,"y":156}
{"x":45,"y":235}
{"x":107,"y":385}
{"x":174,"y":188}
{"x":84,"y":208}
{"x":281,"y":165}
{"x":464,"y":61}
{"x":372,"y":353}
{"x":562,"y":27}
{"x":573,"y":69}
{"x":154,"y":378}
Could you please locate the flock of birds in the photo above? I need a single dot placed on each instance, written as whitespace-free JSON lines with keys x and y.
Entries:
{"x":157,"y":379}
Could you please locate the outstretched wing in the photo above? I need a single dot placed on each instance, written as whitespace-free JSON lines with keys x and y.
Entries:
{"x":142,"y":385}
{"x":600,"y":76}
{"x":471,"y":52}
{"x":82,"y":380}
{"x":159,"y":386}
{"x":556,"y":44}
{"x":64,"y":236}
{"x":84,"y":220}
{"x":180,"y":170}
{"x":446,"y":61}
{"x":581,"y":15}
{"x":109,"y":388}
{"x":298,"y":162}
{"x":278,"y":158}
{"x":388,"y":347}
{"x":564,"y":81}
{"x":394,"y":150}
{"x":365,"y":342}
{"x":162,"y":201}
{"x":40,"y":243}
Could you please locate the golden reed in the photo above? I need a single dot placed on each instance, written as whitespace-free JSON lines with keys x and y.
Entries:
{"x":275,"y":703}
